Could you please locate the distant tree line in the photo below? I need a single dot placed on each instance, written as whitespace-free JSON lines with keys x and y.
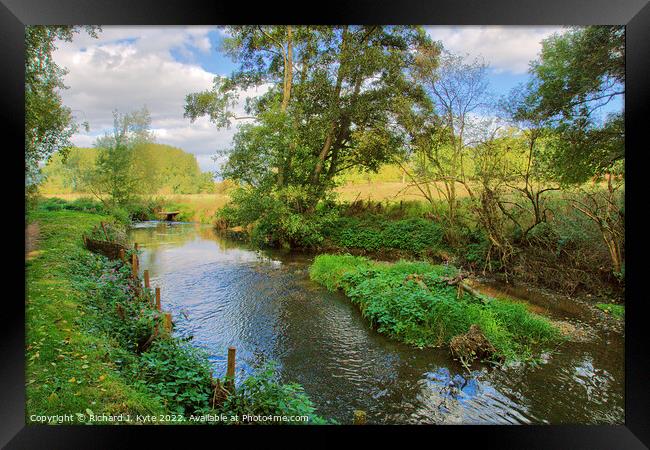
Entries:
{"x":121,"y":172}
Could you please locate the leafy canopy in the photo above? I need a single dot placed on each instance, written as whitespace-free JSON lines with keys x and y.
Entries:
{"x":49,"y":124}
{"x":337,"y":97}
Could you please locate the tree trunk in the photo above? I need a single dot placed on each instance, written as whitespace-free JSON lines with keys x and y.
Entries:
{"x":288,"y":71}
{"x":286,"y":95}
{"x":334,"y":106}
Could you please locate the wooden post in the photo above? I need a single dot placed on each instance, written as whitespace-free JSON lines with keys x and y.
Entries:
{"x":122,"y":255}
{"x":158,"y":298}
{"x":359,"y":417}
{"x":105,"y":233}
{"x":230,"y":371}
{"x":168,"y":322}
{"x":146,"y":279}
{"x":134,"y":265}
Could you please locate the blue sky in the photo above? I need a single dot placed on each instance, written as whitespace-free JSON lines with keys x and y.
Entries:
{"x":128,"y":67}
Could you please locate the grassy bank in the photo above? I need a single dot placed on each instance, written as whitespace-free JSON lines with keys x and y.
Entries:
{"x":413,"y":302}
{"x":87,"y":325}
{"x":69,"y":369}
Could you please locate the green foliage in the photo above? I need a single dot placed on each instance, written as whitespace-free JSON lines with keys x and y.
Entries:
{"x":110,"y":230}
{"x":157,"y":168}
{"x":49,"y":124}
{"x":579,"y":72}
{"x":263,"y":394}
{"x":415,"y":235}
{"x":396,"y":304}
{"x":81,"y":204}
{"x":333,"y":89}
{"x":612,"y":308}
{"x":275,"y":222}
{"x":177,"y":372}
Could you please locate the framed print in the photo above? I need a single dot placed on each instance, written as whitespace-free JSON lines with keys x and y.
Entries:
{"x":372,"y":219}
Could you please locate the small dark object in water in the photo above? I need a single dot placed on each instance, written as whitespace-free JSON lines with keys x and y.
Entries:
{"x":471,"y":345}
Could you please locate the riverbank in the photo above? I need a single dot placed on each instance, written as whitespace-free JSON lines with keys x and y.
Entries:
{"x":86,"y":319}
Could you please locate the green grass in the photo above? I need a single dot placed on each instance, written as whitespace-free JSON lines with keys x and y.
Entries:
{"x":401,"y":308}
{"x":613,"y":309}
{"x":68,"y":370}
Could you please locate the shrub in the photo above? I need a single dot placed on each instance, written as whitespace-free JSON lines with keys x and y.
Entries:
{"x":415,"y":235}
{"x":177,"y":372}
{"x":412,"y":302}
{"x":276,"y":223}
{"x":263,"y":394}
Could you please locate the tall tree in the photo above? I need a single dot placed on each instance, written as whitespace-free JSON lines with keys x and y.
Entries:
{"x":49,"y":124}
{"x":336,"y":99}
{"x":577,"y":74}
{"x":114,"y":175}
{"x":458,"y":90}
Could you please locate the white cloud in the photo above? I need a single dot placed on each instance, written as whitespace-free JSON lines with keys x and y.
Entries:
{"x":505,"y":48}
{"x":128,"y":67}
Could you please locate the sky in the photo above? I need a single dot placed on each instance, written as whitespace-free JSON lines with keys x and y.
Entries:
{"x":154,"y":66}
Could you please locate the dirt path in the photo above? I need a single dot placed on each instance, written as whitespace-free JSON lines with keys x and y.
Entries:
{"x":31,"y":239}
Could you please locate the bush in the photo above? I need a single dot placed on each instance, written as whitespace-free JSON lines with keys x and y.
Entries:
{"x":179,"y":373}
{"x":415,"y":235}
{"x":113,"y":231}
{"x":275,"y":222}
{"x":85,"y":204}
{"x":262,"y":394}
{"x":412,"y":302}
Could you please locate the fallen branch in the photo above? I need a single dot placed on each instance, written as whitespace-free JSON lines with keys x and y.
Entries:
{"x":451,"y":281}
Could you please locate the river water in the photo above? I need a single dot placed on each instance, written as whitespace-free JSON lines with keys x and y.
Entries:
{"x":262,"y":302}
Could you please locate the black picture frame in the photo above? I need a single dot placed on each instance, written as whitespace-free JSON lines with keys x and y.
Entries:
{"x":635,"y":14}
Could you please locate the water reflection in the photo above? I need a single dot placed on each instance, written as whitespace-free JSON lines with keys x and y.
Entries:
{"x":263,"y":303}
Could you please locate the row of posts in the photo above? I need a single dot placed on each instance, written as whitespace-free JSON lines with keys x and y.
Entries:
{"x":135,"y":267}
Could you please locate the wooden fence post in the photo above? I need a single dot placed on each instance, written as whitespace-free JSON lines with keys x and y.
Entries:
{"x":158,"y":298}
{"x":146,"y":279}
{"x":134,"y":265}
{"x":168,"y":322}
{"x":122,"y":255}
{"x":230,"y":371}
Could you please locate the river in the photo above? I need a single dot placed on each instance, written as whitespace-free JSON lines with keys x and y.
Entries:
{"x":223,"y":293}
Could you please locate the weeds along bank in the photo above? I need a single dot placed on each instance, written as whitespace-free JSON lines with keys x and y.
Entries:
{"x":422,"y":304}
{"x":88,"y":346}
